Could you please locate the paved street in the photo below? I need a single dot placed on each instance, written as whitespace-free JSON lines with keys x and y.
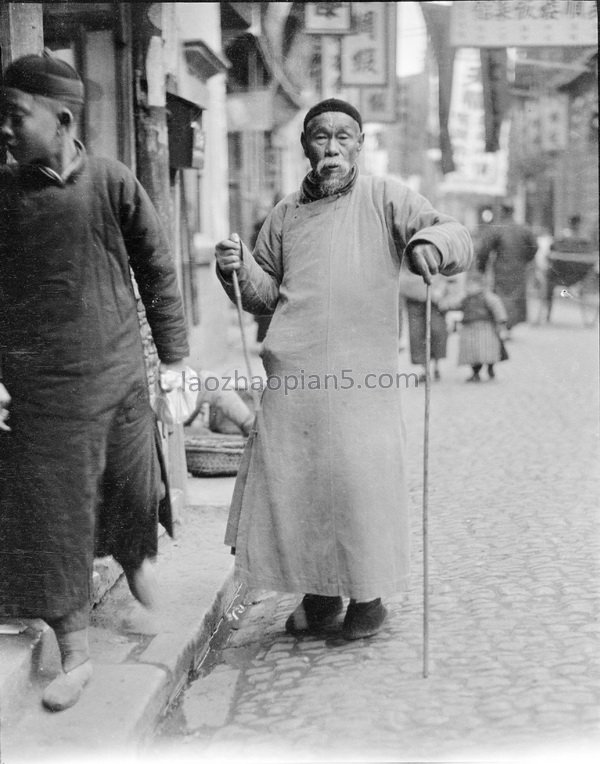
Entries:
{"x":514,"y":557}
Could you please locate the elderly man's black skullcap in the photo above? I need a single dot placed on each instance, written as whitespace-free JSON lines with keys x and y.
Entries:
{"x":46,"y":76}
{"x":333,"y":104}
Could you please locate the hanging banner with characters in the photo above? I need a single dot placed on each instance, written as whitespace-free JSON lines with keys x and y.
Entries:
{"x":523,"y":23}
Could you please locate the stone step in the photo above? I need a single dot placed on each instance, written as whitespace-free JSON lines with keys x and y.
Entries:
{"x":136,"y":675}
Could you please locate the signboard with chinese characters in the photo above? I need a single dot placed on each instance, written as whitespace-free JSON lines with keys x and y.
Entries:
{"x":545,"y":124}
{"x":554,"y":118}
{"x":327,"y":18}
{"x":378,"y":104}
{"x":364,"y":56}
{"x":477,"y":171}
{"x":523,"y":23}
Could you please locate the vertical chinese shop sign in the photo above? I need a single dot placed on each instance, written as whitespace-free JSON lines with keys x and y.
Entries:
{"x":368,"y":60}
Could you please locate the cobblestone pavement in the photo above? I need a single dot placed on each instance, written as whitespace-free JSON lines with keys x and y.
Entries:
{"x":514,"y":545}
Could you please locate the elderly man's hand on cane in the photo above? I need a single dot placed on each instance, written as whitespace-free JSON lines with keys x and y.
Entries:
{"x":424,"y":259}
{"x":229,"y":254}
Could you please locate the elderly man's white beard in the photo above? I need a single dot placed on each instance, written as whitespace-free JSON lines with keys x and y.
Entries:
{"x":330,"y":184}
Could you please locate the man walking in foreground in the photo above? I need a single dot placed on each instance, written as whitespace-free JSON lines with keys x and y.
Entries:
{"x":79,"y":466}
{"x":322,"y":508}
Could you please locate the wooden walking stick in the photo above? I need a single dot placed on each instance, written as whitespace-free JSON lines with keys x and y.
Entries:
{"x":236,"y":503}
{"x":240,"y":312}
{"x":426,"y":484}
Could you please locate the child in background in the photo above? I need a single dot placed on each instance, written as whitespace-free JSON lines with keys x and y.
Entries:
{"x":483,"y":327}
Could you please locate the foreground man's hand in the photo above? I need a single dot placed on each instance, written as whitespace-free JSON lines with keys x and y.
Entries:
{"x":229,"y":254}
{"x":4,"y":412}
{"x":425,"y":260}
{"x":170,"y":375}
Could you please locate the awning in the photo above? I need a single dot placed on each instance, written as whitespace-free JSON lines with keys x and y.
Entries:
{"x":202,"y":60}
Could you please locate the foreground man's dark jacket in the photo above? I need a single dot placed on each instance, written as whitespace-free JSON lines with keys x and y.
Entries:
{"x":80,"y":468}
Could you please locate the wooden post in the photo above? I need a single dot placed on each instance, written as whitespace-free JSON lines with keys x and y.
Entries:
{"x":150,"y":114}
{"x":152,"y":153}
{"x":21,"y":30}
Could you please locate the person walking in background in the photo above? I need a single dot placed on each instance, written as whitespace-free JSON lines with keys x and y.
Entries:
{"x":508,"y":248}
{"x":80,"y":468}
{"x":483,"y":327}
{"x":413,"y":289}
{"x":571,"y":238}
{"x":320,"y":505}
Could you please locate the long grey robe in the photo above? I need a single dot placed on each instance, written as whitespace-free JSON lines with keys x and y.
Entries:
{"x":323,"y":506}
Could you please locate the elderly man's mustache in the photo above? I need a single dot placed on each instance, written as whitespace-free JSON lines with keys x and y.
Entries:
{"x":326,"y":164}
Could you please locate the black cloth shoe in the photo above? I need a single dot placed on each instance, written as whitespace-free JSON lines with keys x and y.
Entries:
{"x":363,"y":619}
{"x":314,"y":613}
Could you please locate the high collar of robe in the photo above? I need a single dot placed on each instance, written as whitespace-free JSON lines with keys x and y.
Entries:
{"x":310,"y":191}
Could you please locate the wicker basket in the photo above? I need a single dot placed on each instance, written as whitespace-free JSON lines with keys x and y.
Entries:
{"x":214,"y":455}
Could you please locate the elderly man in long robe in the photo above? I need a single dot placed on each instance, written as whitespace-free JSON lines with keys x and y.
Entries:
{"x":320,"y":505}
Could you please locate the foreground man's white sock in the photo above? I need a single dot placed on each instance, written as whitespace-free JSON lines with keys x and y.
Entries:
{"x":64,"y":691}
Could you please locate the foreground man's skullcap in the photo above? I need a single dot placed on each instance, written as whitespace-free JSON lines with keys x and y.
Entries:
{"x":44,"y":75}
{"x":333,"y":104}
